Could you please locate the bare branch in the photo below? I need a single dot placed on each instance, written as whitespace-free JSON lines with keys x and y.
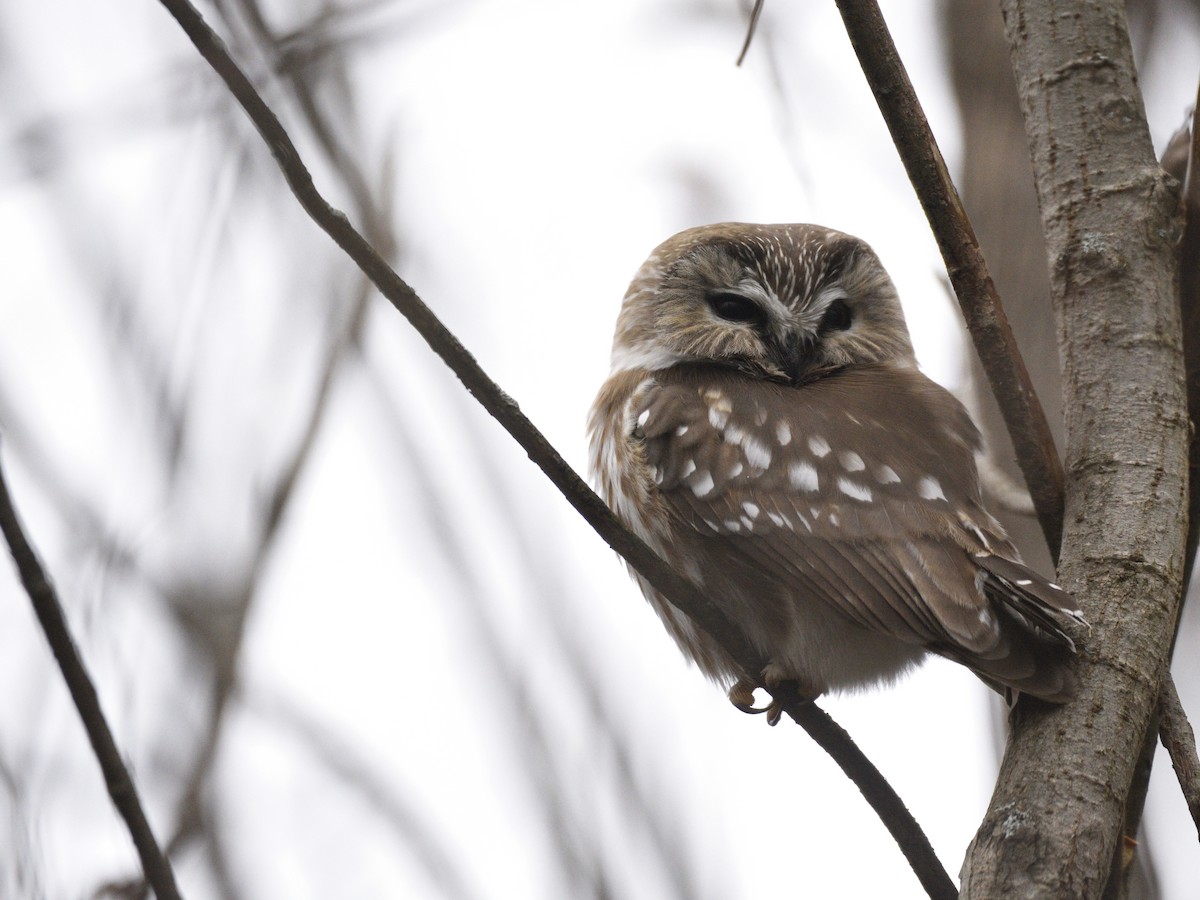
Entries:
{"x":1109,"y":215}
{"x":500,"y":406}
{"x":1179,"y":740}
{"x":120,"y":785}
{"x":1189,"y":303}
{"x":750,"y":29}
{"x":986,"y":321}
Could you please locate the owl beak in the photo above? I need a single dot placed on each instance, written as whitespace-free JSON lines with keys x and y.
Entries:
{"x":794,"y":354}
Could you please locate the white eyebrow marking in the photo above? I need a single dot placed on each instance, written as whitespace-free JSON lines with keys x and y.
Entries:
{"x":704,"y":485}
{"x":930,"y":489}
{"x":886,"y":475}
{"x":643,"y":418}
{"x":783,"y":431}
{"x":857,"y":491}
{"x":803,"y":476}
{"x":819,"y":446}
{"x":852,"y":462}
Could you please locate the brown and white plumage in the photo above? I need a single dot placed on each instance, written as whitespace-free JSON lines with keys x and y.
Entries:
{"x":765,"y":428}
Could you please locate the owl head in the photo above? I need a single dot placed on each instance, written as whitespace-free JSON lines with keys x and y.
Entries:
{"x":788,"y":303}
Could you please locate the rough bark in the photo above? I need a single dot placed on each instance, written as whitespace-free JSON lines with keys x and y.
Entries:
{"x":1111,"y":227}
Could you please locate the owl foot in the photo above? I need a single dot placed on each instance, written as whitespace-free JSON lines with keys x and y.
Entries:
{"x":741,"y":695}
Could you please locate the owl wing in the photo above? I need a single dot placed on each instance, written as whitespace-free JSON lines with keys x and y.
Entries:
{"x":858,"y":490}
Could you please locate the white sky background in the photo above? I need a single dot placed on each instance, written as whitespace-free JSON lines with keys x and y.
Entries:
{"x":541,"y":150}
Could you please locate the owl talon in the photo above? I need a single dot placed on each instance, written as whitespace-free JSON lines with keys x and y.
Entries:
{"x":741,"y":695}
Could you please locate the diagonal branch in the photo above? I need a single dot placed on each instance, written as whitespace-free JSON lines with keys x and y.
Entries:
{"x":500,"y":406}
{"x":986,"y":320}
{"x":83,"y":692}
{"x":1179,"y":740}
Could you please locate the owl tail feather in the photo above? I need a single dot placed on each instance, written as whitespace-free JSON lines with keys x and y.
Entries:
{"x":1042,"y":605}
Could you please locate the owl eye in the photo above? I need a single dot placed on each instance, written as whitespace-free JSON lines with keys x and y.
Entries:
{"x":838,"y":317}
{"x":735,"y":308}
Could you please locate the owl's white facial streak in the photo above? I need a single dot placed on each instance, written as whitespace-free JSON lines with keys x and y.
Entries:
{"x":783,"y":302}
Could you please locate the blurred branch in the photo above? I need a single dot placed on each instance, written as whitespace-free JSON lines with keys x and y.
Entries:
{"x":986,"y":320}
{"x":750,"y":29}
{"x":83,"y":692}
{"x":1180,"y":742}
{"x":685,"y":595}
{"x":345,"y":763}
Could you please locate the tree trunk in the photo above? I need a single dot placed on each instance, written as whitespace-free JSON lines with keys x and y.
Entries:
{"x":1111,"y":226}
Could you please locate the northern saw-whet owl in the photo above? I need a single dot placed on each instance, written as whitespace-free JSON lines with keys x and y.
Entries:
{"x":766,"y":430}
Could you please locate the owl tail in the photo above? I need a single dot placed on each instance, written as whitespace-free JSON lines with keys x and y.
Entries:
{"x":1034,"y":652}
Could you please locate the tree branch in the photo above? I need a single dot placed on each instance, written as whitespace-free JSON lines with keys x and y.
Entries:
{"x":1054,"y":821}
{"x":500,"y":406}
{"x":1180,"y":742}
{"x":986,"y":321}
{"x":121,"y":788}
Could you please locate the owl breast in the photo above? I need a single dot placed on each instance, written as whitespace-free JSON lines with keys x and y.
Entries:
{"x":722,"y":476}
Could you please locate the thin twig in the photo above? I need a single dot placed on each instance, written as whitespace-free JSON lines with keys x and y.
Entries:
{"x":986,"y":321}
{"x":754,"y":14}
{"x":83,"y":692}
{"x":1177,"y":737}
{"x":500,"y":406}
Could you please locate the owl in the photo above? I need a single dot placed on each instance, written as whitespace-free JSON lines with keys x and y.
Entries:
{"x":766,"y":430}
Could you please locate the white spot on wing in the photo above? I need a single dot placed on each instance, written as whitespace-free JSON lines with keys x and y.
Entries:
{"x":643,"y":418}
{"x":854,"y":490}
{"x":886,"y":475}
{"x":681,"y":430}
{"x":851,"y":461}
{"x":703,"y":485}
{"x":819,"y":446}
{"x":783,"y":431}
{"x":733,"y":525}
{"x":930,"y":489}
{"x":751,"y":509}
{"x":757,"y":454}
{"x":688,"y":468}
{"x":717,"y":418}
{"x":803,"y":476}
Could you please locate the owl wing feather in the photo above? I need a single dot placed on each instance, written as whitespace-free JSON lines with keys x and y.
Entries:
{"x":857,"y":490}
